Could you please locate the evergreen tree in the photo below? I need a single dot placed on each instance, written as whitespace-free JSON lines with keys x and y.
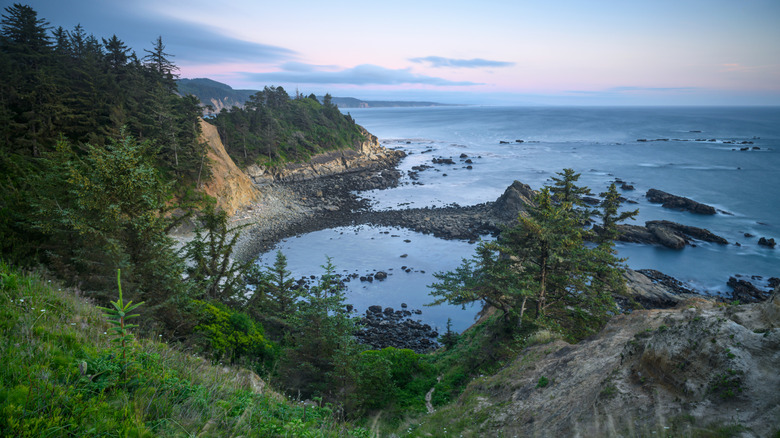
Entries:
{"x":611,"y":216}
{"x":275,"y":294}
{"x":158,"y":61}
{"x":565,"y":190}
{"x":118,"y":53}
{"x":212,"y":274}
{"x":322,"y":331}
{"x":539,"y":270}
{"x":105,"y":210}
{"x":23,"y":33}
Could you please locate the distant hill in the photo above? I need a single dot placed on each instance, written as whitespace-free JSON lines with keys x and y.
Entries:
{"x":214,"y":93}
{"x":219,"y":95}
{"x":351,"y":102}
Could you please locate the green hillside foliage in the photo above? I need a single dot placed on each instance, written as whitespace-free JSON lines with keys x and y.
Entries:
{"x":62,"y":376}
{"x":273,"y":128}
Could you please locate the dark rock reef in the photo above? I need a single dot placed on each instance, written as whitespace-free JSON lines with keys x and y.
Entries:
{"x":667,"y":233}
{"x":667,"y":200}
{"x":394,"y":328}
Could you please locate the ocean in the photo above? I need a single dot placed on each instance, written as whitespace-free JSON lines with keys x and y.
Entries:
{"x":687,"y":151}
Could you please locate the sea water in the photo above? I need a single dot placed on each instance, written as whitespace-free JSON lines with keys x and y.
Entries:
{"x":691,"y":151}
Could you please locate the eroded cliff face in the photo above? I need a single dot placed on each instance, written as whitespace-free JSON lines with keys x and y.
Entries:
{"x":369,"y":156}
{"x":672,"y":372}
{"x":232,"y":188}
{"x":235,"y":189}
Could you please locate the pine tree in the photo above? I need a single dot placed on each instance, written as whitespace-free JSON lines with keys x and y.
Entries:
{"x":23,"y":33}
{"x":322,"y":330}
{"x":611,"y":216}
{"x":158,"y":61}
{"x":212,"y":274}
{"x":538,"y":271}
{"x":565,"y":190}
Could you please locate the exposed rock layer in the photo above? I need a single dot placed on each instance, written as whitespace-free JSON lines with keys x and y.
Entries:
{"x":669,"y":372}
{"x":369,"y":156}
{"x":228,"y":184}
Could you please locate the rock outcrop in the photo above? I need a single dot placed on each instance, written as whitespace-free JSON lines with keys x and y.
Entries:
{"x":667,"y":233}
{"x":513,"y":201}
{"x":699,"y":367}
{"x":370,"y":155}
{"x":667,"y":200}
{"x":387,"y":327}
{"x":231,"y":187}
{"x":651,"y":293}
{"x":746,"y":292}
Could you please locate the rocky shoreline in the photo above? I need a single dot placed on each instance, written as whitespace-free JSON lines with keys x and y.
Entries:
{"x":323,"y":194}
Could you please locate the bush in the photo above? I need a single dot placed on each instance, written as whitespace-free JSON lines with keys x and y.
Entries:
{"x":392,"y":377}
{"x":231,"y":335}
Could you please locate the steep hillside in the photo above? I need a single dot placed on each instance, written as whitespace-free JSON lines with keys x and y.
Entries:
{"x":700,"y":369}
{"x":228,"y":184}
{"x":62,"y":375}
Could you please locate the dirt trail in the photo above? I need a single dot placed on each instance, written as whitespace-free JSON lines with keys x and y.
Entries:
{"x":429,"y":396}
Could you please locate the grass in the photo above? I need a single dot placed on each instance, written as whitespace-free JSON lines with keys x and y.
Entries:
{"x":61,"y":377}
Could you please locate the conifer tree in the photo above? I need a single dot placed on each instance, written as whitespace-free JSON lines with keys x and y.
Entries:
{"x":322,"y":330}
{"x":212,"y":274}
{"x":611,"y":216}
{"x":539,"y":270}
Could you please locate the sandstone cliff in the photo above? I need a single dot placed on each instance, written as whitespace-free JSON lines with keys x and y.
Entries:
{"x":228,"y":184}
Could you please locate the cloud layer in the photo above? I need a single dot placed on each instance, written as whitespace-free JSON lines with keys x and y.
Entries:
{"x":365,"y":74}
{"x":438,"y":61}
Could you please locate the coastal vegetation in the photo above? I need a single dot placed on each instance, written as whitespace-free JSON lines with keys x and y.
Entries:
{"x":109,"y":330}
{"x":272,"y":128}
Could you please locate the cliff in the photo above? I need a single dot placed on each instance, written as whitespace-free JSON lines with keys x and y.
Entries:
{"x":370,"y":155}
{"x":228,"y":184}
{"x":696,"y":369}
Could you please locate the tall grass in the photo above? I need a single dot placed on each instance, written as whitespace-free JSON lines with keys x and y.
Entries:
{"x":61,"y":376}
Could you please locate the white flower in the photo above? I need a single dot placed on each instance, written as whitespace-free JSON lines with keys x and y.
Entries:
{"x":43,"y":310}
{"x":104,"y":333}
{"x":21,"y":300}
{"x":73,"y":323}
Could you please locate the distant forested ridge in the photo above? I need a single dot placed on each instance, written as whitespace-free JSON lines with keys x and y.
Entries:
{"x":213,"y":94}
{"x":220,"y":96}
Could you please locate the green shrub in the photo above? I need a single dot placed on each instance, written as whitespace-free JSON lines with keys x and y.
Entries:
{"x":392,"y":377}
{"x":231,"y":335}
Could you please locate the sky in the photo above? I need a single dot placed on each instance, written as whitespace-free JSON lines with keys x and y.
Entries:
{"x":519,"y":52}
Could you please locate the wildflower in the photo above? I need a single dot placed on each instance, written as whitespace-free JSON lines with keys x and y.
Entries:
{"x":73,"y":323}
{"x":104,"y":333}
{"x":43,"y":310}
{"x":21,"y":300}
